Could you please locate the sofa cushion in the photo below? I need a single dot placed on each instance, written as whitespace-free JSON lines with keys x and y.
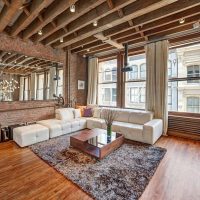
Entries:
{"x":97,"y":112}
{"x":140,"y":117}
{"x":66,"y":114}
{"x":94,"y":123}
{"x":77,"y":113}
{"x":54,"y":126}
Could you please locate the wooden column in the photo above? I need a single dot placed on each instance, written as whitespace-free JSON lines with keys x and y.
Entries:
{"x":66,"y":78}
{"x":119,"y":80}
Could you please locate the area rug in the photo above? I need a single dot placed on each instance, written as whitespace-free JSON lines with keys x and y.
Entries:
{"x":122,"y":175}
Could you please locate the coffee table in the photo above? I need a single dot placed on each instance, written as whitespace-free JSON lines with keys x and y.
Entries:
{"x":96,"y":142}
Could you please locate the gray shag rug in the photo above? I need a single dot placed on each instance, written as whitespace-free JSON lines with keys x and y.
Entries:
{"x":122,"y":175}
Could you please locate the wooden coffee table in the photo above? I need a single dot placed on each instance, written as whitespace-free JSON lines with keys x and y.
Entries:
{"x":96,"y":142}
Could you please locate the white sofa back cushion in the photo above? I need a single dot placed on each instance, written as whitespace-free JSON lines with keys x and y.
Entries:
{"x":97,"y":112}
{"x":140,"y":117}
{"x":77,"y":113}
{"x":65,"y":114}
{"x":122,"y":115}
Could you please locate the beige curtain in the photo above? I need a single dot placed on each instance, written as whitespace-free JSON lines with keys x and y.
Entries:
{"x":52,"y":82}
{"x":33,"y":86}
{"x":157,"y":81}
{"x":21,"y":89}
{"x":92,"y":81}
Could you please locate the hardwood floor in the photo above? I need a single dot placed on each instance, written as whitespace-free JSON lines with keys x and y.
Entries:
{"x":24,"y":176}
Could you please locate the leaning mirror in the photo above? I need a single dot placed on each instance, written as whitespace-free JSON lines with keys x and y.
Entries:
{"x":25,"y":78}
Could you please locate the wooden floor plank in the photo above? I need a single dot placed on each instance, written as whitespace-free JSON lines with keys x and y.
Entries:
{"x":25,"y":176}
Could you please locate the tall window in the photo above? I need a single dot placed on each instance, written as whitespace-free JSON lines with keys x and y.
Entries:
{"x":192,"y":72}
{"x":107,"y":85}
{"x":60,"y":83}
{"x":47,"y":84}
{"x":193,"y":104}
{"x":135,"y":83}
{"x":184,"y":82}
{"x":40,"y":86}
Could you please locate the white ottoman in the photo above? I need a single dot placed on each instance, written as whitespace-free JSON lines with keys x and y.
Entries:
{"x":27,"y":135}
{"x":54,"y":126}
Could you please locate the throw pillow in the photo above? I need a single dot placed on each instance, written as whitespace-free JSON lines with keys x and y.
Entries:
{"x":77,"y":113}
{"x":87,"y":112}
{"x":81,"y":109}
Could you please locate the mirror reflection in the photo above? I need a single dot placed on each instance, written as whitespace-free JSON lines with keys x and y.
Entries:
{"x":25,"y":78}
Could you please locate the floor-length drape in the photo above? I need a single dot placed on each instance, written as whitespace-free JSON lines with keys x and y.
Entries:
{"x":157,"y":80}
{"x":92,"y":81}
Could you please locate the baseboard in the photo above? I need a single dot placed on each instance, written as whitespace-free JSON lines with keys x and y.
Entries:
{"x":185,"y":135}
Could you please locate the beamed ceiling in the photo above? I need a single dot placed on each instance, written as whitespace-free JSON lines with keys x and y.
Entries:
{"x":135,"y":22}
{"x":14,"y":63}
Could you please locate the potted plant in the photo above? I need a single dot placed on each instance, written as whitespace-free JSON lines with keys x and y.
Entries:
{"x":109,"y":116}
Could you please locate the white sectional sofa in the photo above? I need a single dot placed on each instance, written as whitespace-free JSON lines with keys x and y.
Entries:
{"x":134,"y":125}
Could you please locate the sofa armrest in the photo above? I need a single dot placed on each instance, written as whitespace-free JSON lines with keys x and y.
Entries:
{"x":152,"y":130}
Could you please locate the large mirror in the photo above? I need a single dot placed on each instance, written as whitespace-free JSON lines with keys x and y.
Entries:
{"x":25,"y":78}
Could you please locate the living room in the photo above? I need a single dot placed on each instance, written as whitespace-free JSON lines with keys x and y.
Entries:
{"x":100,"y":99}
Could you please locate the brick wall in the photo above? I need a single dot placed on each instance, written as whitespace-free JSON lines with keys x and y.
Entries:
{"x":25,"y":111}
{"x":30,"y":49}
{"x":76,"y":69}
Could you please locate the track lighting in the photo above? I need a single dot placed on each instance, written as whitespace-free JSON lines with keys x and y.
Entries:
{"x":40,"y":32}
{"x":182,"y":21}
{"x":95,"y":23}
{"x":61,"y":40}
{"x":72,"y":8}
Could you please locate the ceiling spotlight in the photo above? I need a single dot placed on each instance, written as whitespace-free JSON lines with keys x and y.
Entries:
{"x":84,"y":56}
{"x":182,"y":21}
{"x":40,"y":32}
{"x":88,"y":50}
{"x":26,"y":56}
{"x":61,"y":40}
{"x":196,"y":25}
{"x":9,"y":53}
{"x":72,"y":8}
{"x":95,"y":23}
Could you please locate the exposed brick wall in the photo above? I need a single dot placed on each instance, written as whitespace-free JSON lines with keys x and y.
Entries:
{"x":77,"y":71}
{"x":25,"y":111}
{"x":30,"y":49}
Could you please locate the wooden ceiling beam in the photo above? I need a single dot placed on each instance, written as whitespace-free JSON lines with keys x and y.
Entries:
{"x":134,"y":10}
{"x":163,"y":31}
{"x":186,"y":14}
{"x":8,"y":12}
{"x":24,"y":20}
{"x":66,"y":17}
{"x":87,"y":19}
{"x":51,"y":12}
{"x":13,"y":59}
{"x":110,"y":4}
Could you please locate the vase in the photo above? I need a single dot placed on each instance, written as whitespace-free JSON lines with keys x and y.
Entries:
{"x":109,"y":130}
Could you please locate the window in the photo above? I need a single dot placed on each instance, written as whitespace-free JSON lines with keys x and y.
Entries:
{"x":40,"y":86}
{"x":60,"y":83}
{"x":193,"y":71}
{"x":143,"y":71}
{"x":183,"y":92}
{"x":135,"y":83}
{"x":134,"y":73}
{"x":193,"y":104}
{"x":107,"y":83}
{"x":169,"y":68}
